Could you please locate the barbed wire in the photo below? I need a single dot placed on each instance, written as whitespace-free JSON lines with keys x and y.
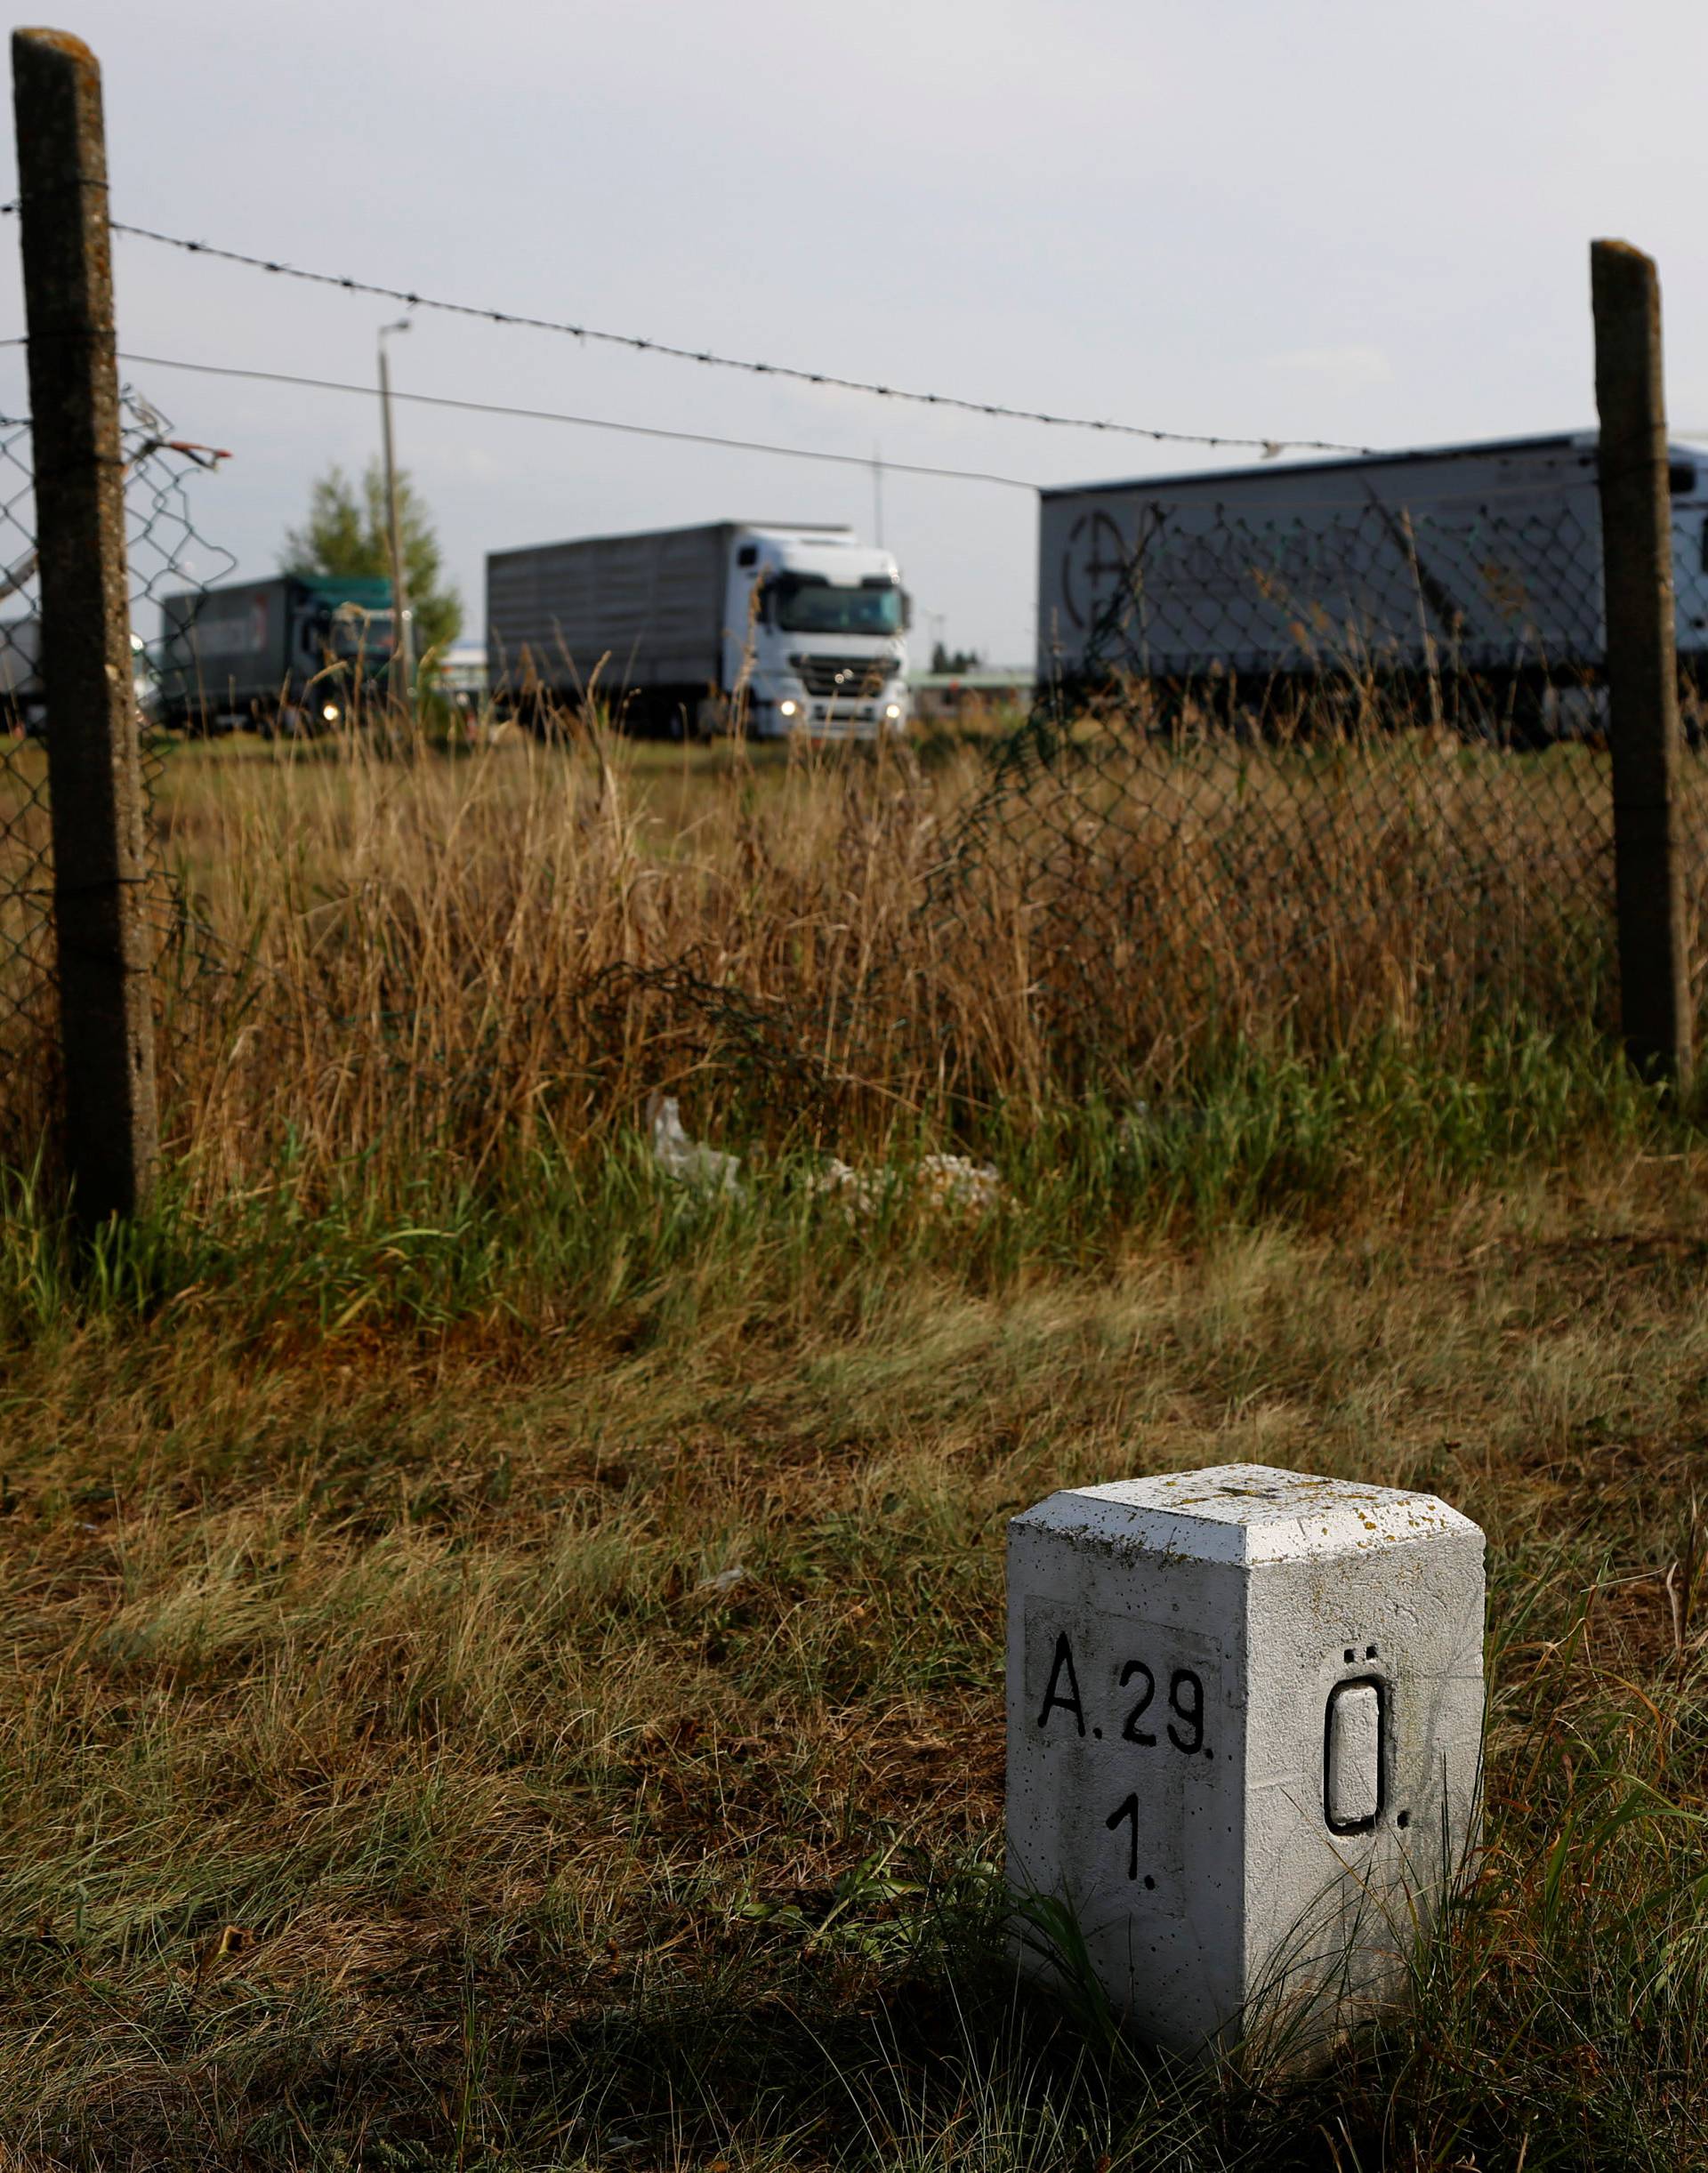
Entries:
{"x":597,"y":422}
{"x":1269,"y":447}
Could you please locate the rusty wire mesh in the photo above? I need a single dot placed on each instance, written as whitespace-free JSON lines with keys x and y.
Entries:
{"x":1307,"y":786}
{"x":1315,"y":776}
{"x":166,"y":551}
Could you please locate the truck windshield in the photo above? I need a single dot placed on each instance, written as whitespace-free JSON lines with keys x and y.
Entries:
{"x":806,"y":604}
{"x":352,"y":632}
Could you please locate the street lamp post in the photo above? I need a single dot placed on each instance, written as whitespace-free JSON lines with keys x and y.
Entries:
{"x":401,"y":618}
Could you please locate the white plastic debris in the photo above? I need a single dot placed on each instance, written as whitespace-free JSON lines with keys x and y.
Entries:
{"x":705,"y":1167}
{"x":858,"y":1190}
{"x":954,"y":1181}
{"x":726,"y":1579}
{"x":942,"y":1184}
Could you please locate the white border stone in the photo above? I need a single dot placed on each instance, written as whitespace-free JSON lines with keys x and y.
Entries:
{"x":1168,"y":1786}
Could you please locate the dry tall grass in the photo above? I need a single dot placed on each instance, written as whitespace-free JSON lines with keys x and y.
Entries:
{"x":473,"y":954}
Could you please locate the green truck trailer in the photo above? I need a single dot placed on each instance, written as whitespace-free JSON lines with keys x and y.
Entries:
{"x":293,"y":652}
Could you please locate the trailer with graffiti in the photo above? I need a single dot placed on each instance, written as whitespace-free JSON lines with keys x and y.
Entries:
{"x":1476,"y":559}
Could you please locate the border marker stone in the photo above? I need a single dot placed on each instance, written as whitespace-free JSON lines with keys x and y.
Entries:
{"x":1244,"y":1722}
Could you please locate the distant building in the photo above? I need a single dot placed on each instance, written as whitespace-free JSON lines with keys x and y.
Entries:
{"x":463,"y":670}
{"x":938,"y":695}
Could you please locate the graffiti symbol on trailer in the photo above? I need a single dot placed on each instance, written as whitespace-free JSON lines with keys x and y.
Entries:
{"x":1094,"y":562}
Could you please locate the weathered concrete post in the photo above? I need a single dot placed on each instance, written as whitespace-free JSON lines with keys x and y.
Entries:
{"x":94,"y":779}
{"x":1245,"y":1715}
{"x":1642,"y":665}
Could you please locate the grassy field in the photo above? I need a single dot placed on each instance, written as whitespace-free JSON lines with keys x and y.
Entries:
{"x":469,"y":954}
{"x":507,"y":1647}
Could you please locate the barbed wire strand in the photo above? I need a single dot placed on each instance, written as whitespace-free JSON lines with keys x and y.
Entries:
{"x":1272,"y":504}
{"x":863,"y":461}
{"x":1268,"y":448}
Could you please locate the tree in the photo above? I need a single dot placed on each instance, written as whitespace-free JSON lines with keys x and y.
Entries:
{"x":347,"y":532}
{"x":956,"y":661}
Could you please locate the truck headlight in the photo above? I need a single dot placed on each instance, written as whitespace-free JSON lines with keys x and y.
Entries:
{"x":893,"y":712}
{"x":788,"y":709}
{"x":329,"y":711}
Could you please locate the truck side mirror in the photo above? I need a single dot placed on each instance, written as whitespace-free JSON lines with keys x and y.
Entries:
{"x":907,"y":612}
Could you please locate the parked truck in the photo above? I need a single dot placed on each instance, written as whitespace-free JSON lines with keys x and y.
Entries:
{"x":293,"y":652}
{"x":784,"y":627}
{"x":23,"y":699}
{"x":1478,"y":558}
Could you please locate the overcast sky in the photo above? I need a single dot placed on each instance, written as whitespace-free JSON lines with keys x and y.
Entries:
{"x":1324,"y":220}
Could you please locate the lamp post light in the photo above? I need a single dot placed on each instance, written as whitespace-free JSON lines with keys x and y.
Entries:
{"x":401,"y":617}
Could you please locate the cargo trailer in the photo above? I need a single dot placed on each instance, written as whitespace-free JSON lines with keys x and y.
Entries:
{"x":293,"y":652}
{"x":23,"y":698}
{"x":779,"y":628}
{"x":21,"y":705}
{"x":1482,"y":559}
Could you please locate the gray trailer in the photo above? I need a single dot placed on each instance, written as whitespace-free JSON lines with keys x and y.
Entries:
{"x":1476,"y":559}
{"x":23,"y":699}
{"x":21,"y":707}
{"x":293,"y":652}
{"x":650,"y":608}
{"x":800,"y":627}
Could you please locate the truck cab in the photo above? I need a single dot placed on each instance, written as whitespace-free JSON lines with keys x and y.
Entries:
{"x":345,"y":640}
{"x":815,"y":635}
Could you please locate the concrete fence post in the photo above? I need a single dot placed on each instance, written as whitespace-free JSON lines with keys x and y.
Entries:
{"x":1656,"y":1010}
{"x":94,"y":779}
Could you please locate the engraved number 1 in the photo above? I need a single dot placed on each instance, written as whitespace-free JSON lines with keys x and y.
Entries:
{"x":1129,"y":1811}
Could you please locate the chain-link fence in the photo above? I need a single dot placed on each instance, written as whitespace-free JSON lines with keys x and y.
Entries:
{"x":1306,"y":770}
{"x":1310,"y":770}
{"x":25,"y":849}
{"x":1288,"y":788}
{"x":166,"y":553}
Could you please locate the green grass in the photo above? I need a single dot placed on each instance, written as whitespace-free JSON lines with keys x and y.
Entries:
{"x":386,"y":1782}
{"x":586,"y":1234}
{"x":393,"y":1774}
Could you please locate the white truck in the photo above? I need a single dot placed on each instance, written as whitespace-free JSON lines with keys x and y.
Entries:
{"x":784,"y":627}
{"x":1481,"y":558}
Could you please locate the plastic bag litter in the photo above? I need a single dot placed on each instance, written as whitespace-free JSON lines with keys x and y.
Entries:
{"x":725,"y":1580}
{"x":944,"y":1184}
{"x":941,"y":1184}
{"x":705,"y":1167}
{"x":858,"y":1190}
{"x":956,"y":1181}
